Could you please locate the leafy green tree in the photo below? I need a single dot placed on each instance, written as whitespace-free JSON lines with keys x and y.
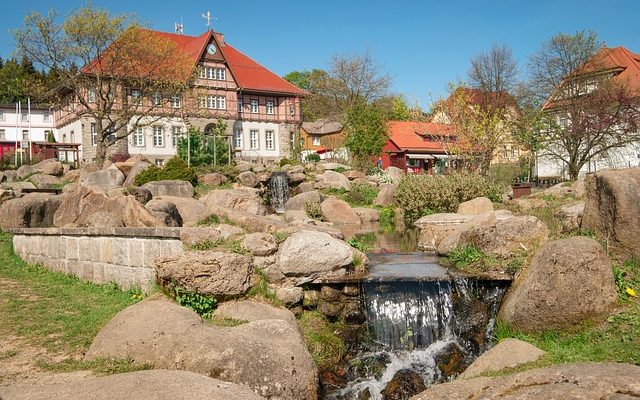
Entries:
{"x":201,"y":147}
{"x":366,"y":133}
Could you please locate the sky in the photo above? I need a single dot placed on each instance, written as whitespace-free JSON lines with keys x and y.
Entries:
{"x":422,"y":45}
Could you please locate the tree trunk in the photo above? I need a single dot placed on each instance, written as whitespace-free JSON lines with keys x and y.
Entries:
{"x":574,"y":171}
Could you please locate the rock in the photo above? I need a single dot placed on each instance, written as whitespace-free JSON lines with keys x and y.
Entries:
{"x":296,"y":216}
{"x":509,"y":353}
{"x":126,"y":166}
{"x":34,"y":210}
{"x":74,"y":175}
{"x":435,"y":228}
{"x":50,"y":166}
{"x":363,"y":182}
{"x":10,"y":175}
{"x":588,"y":381}
{"x":139,"y":385}
{"x":310,"y":298}
{"x":25,"y":171}
{"x":405,"y":383}
{"x":386,"y":195}
{"x":298,"y":201}
{"x":565,"y":189}
{"x":139,"y":193}
{"x":570,"y":215}
{"x":529,"y":203}
{"x":78,"y":206}
{"x":70,"y":188}
{"x":396,"y":174}
{"x":290,"y":295}
{"x":246,"y":200}
{"x":477,"y":206}
{"x":192,"y":236}
{"x":104,"y":219}
{"x":295,"y":179}
{"x":42,"y":181}
{"x":268,"y":356}
{"x":212,"y":179}
{"x":227,"y":231}
{"x":451,"y":241}
{"x":331,"y":310}
{"x":260,"y":244}
{"x":248,"y":179}
{"x":134,"y":172}
{"x":567,"y":282}
{"x":450,"y":361}
{"x":612,"y":207}
{"x":191,"y":210}
{"x":367,"y":214}
{"x":245,"y":310}
{"x":308,"y":253}
{"x":175,"y":188}
{"x":105,"y":179}
{"x":303,"y":187}
{"x":507,"y":237}
{"x":17,"y":187}
{"x":353,"y":174}
{"x":339,"y":212}
{"x":6,"y":195}
{"x":164,"y":211}
{"x":215,"y":273}
{"x":331,"y":166}
{"x":243,"y":166}
{"x":332,"y":180}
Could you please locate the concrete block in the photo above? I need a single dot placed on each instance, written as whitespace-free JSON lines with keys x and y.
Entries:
{"x":143,"y":278}
{"x":136,"y":252}
{"x":152,"y":251}
{"x":120,"y":253}
{"x":84,"y":248}
{"x":72,"y":252}
{"x":106,"y":250}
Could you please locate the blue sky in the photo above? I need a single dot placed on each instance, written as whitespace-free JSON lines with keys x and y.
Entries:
{"x":423,"y":45}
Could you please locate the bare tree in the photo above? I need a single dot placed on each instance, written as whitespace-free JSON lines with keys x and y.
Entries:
{"x":494,"y":71}
{"x":129,"y":76}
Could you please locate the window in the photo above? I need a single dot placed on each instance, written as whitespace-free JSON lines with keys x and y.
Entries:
{"x":202,"y":72}
{"x":316,"y":140}
{"x":222,"y":103}
{"x":221,"y":74}
{"x":94,"y":134}
{"x":73,"y":136}
{"x":24,"y":117}
{"x":156,"y":99}
{"x":25,"y":135}
{"x":211,"y":102}
{"x":138,"y":137}
{"x":253,"y":140}
{"x":176,"y":132}
{"x":159,"y":162}
{"x":239,"y":105}
{"x":158,"y":136}
{"x":292,"y":109}
{"x":176,"y":102}
{"x":3,"y":134}
{"x":202,"y":101}
{"x":64,"y":138}
{"x":237,"y":139}
{"x":269,"y":106}
{"x":91,"y":96}
{"x":254,"y":106}
{"x":268,"y":139}
{"x":47,"y":116}
{"x":1,"y":115}
{"x":211,"y":73}
{"x":136,"y":94}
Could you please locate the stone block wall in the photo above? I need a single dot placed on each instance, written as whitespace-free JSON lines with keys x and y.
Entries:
{"x":125,"y":256}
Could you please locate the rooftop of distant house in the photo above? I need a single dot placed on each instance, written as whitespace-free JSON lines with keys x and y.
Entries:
{"x":420,"y":136}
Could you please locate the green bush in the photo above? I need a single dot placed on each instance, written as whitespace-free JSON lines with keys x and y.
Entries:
{"x":361,"y":194}
{"x":313,"y":157}
{"x":286,"y":161}
{"x":176,"y":168}
{"x":201,"y":304}
{"x":421,"y":194}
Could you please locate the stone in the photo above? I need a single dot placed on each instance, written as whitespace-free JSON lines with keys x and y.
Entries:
{"x":354,"y":174}
{"x":339,"y":212}
{"x":331,"y":166}
{"x":191,"y":210}
{"x":212,"y":179}
{"x":248,"y":179}
{"x":243,"y":166}
{"x":570,"y":215}
{"x":309,"y":253}
{"x":509,"y":353}
{"x":260,"y":244}
{"x":563,"y":189}
{"x":567,"y":282}
{"x":73,"y":175}
{"x":450,"y":361}
{"x":78,"y":206}
{"x":296,"y":179}
{"x":303,"y":187}
{"x":298,"y":201}
{"x":42,"y":181}
{"x":139,"y":193}
{"x":612,"y":209}
{"x":296,"y":216}
{"x":268,"y":356}
{"x":290,"y":295}
{"x":386,"y":195}
{"x":139,"y":385}
{"x":332,"y":180}
{"x":451,"y":241}
{"x":104,"y":219}
{"x":507,"y":237}
{"x":34,"y":210}
{"x":245,"y":310}
{"x":404,"y":383}
{"x":174,"y":187}
{"x":247,"y":200}
{"x":136,"y":169}
{"x":6,"y":195}
{"x":126,"y":166}
{"x":395,"y":173}
{"x":194,"y":235}
{"x":435,"y":228}
{"x":49,"y":166}
{"x":227,"y":231}
{"x":17,"y":187}
{"x":477,"y":206}
{"x":105,"y":179}
{"x":215,"y":273}
{"x":529,"y":203}
{"x":25,"y":171}
{"x":363,"y":182}
{"x":10,"y":175}
{"x":587,"y":381}
{"x":367,"y":214}
{"x":310,"y":298}
{"x":164,"y":211}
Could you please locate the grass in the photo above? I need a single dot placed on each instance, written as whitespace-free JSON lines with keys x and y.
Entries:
{"x":260,"y":290}
{"x":230,"y":245}
{"x":473,"y":260}
{"x":360,"y":195}
{"x":325,"y":346}
{"x":100,"y":365}
{"x":211,"y":220}
{"x":363,"y":241}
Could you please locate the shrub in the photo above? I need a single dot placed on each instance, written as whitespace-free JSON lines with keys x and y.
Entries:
{"x":361,"y":194}
{"x":313,"y":157}
{"x":201,"y":304}
{"x":420,"y":194}
{"x":175,"y":168}
{"x":313,"y":210}
{"x":287,"y":161}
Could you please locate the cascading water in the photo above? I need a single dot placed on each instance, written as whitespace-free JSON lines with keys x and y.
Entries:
{"x":278,"y":191}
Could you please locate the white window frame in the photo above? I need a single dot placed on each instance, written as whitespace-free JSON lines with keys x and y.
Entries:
{"x":211,"y":73}
{"x":176,"y":101}
{"x":254,"y":139}
{"x":315,"y":140}
{"x":156,"y":99}
{"x":1,"y":115}
{"x":222,"y":103}
{"x":270,"y":107}
{"x":237,"y":138}
{"x":159,"y":162}
{"x":269,"y":140}
{"x":91,"y":95}
{"x":24,"y":116}
{"x":93,"y":130}
{"x":25,"y":135}
{"x":176,"y":132}
{"x":158,"y":136}
{"x":211,"y":102}
{"x":138,"y":137}
{"x":240,"y":105}
{"x":255,"y":106}
{"x":46,"y":117}
{"x":3,"y":134}
{"x":221,"y":74}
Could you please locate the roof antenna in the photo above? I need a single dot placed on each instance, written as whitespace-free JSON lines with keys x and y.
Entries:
{"x":179,"y":27}
{"x":208,"y":17}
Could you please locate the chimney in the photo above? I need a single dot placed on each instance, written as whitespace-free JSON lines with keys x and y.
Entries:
{"x":219,"y":37}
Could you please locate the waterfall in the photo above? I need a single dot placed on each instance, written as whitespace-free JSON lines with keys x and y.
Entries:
{"x":278,"y":191}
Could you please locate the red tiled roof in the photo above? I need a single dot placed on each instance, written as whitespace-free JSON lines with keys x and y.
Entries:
{"x":410,"y":135}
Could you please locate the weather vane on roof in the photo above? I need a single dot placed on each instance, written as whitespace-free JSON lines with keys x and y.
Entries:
{"x":208,"y":17}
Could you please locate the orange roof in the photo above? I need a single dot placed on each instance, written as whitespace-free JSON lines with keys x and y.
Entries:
{"x":410,"y":135}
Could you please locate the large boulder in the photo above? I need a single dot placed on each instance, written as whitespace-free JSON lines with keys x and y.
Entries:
{"x":509,"y":353}
{"x":588,"y":381}
{"x":405,"y":382}
{"x":451,"y":241}
{"x":80,"y":204}
{"x":298,"y":201}
{"x":354,"y":174}
{"x":367,"y":214}
{"x":139,"y":385}
{"x":245,"y":310}
{"x":25,"y":171}
{"x":260,"y":244}
{"x":248,"y":179}
{"x":175,"y":188}
{"x":612,"y":209}
{"x":42,"y":181}
{"x":395,"y":173}
{"x":332,"y":180}
{"x":339,"y":212}
{"x":191,"y":210}
{"x":310,"y":254}
{"x":386,"y":195}
{"x":268,"y":356}
{"x":212,"y":179}
{"x":17,"y":187}
{"x":165,"y":211}
{"x":105,"y":179}
{"x":477,"y":206}
{"x":435,"y":228}
{"x":50,"y":166}
{"x":10,"y":175}
{"x":34,"y":210}
{"x":570,"y":215}
{"x":567,"y":282}
{"x":215,"y":273}
{"x":244,"y":199}
{"x":104,"y":219}
{"x":191,"y":236}
{"x":135,"y":170}
{"x":507,"y":237}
